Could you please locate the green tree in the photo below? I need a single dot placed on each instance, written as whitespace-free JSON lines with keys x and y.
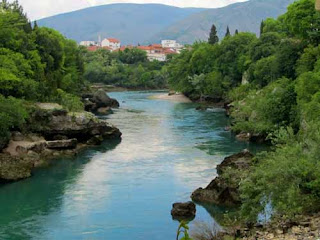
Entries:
{"x":213,"y":38}
{"x":228,"y":34}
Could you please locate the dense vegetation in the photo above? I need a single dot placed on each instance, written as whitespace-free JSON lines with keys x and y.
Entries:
{"x":273,"y":83}
{"x":36,"y":64}
{"x":129,"y":68}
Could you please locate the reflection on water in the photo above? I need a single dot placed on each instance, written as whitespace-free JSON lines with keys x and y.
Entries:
{"x":123,"y":190}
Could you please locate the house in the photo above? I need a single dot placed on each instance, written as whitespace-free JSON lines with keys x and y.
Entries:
{"x":157,"y":52}
{"x":88,"y":43}
{"x":172,"y":44}
{"x":112,"y":43}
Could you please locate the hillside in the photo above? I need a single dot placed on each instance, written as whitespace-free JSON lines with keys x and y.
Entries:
{"x":132,"y":23}
{"x":244,"y":16}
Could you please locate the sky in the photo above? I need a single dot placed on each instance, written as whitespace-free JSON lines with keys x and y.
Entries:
{"x":37,"y":9}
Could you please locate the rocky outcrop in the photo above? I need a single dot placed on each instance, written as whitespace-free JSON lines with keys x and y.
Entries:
{"x":99,"y":102}
{"x":53,"y":124}
{"x":13,"y":168}
{"x":303,"y":227}
{"x":52,"y":132}
{"x":224,"y":189}
{"x":62,"y":144}
{"x":256,"y":137}
{"x":183,"y":211}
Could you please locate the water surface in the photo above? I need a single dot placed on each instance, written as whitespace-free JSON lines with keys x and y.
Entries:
{"x":123,"y":190}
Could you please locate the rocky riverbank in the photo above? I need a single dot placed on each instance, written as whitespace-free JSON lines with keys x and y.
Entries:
{"x":50,"y":132}
{"x":224,"y":191}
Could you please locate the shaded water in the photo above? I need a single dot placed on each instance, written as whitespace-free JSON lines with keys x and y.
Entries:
{"x":123,"y":190}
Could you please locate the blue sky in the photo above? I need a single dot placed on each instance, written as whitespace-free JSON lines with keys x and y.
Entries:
{"x":37,"y":9}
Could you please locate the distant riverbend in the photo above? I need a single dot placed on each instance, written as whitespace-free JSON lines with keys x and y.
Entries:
{"x":124,"y":190}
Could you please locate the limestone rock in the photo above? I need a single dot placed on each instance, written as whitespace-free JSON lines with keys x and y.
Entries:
{"x":224,"y":189}
{"x":183,"y":211}
{"x":14,"y":168}
{"x":62,"y":144}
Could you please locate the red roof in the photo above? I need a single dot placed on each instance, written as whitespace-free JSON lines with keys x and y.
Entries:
{"x":146,"y":48}
{"x":156,"y":45}
{"x":169,"y":51}
{"x":113,"y":40}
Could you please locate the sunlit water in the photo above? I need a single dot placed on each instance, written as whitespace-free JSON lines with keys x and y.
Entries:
{"x":125,"y":190}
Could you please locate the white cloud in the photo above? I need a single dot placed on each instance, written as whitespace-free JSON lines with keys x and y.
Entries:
{"x":37,"y":9}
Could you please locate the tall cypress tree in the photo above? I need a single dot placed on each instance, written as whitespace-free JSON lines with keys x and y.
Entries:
{"x":228,"y":32}
{"x":213,"y":38}
{"x":35,"y":26}
{"x":261,"y":27}
{"x":236,"y":32}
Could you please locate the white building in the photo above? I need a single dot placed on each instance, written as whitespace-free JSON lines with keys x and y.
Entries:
{"x":171,"y":44}
{"x":88,"y":43}
{"x":112,"y":43}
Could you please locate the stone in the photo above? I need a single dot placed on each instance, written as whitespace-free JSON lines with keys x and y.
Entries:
{"x":79,"y":125}
{"x":183,"y":211}
{"x":62,"y":144}
{"x":96,"y":140}
{"x":243,"y":136}
{"x":17,"y":136}
{"x":104,"y":110}
{"x":240,"y":160}
{"x":101,"y":99}
{"x":224,"y":189}
{"x":13,"y":168}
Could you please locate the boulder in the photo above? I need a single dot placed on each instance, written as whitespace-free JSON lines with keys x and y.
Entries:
{"x":224,"y":189}
{"x":62,"y":144}
{"x":98,"y":100}
{"x":183,"y":211}
{"x":243,"y":136}
{"x":14,"y":168}
{"x":239,"y":161}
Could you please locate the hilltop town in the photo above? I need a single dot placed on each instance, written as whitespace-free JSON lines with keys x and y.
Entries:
{"x":157,"y":52}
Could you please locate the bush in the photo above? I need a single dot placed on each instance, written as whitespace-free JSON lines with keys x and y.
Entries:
{"x":287,"y":178}
{"x":69,"y":101}
{"x":12,"y":115}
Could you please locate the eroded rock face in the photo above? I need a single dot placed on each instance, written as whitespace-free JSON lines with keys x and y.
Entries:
{"x":62,"y":144}
{"x":81,"y":126}
{"x":183,"y":211}
{"x":224,"y":189}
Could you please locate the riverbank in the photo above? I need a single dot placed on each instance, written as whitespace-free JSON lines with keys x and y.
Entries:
{"x":178,"y":97}
{"x":50,"y":132}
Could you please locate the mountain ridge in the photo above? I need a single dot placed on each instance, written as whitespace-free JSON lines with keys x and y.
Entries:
{"x":150,"y":23}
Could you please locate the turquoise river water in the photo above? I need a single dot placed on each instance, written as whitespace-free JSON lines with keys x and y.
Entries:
{"x":124,"y":190}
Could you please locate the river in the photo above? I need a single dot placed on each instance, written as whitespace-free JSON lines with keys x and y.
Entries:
{"x":123,"y":190}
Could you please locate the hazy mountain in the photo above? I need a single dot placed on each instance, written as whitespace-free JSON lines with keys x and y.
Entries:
{"x":131,"y":23}
{"x":245,"y":16}
{"x":147,"y":23}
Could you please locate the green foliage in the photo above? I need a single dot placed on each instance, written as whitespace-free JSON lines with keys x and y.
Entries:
{"x":36,"y":63}
{"x":287,"y":178}
{"x":129,"y":68}
{"x":69,"y":101}
{"x":266,"y":110}
{"x":184,"y":229}
{"x":303,"y":21}
{"x":213,"y":38}
{"x":12,"y":115}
